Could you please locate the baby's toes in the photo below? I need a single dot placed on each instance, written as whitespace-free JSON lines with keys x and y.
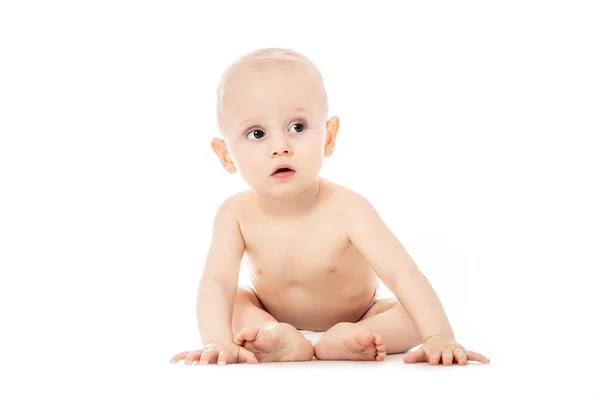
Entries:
{"x":363,"y":337}
{"x":246,"y":334}
{"x":379,"y":347}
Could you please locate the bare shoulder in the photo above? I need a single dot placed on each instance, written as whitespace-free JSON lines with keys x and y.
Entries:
{"x":226,"y":225}
{"x":347,"y":200}
{"x":355,"y":213}
{"x":233,"y":206}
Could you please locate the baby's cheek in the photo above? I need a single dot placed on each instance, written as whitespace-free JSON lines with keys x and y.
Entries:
{"x":311,"y":150}
{"x":316,"y":156}
{"x":249,"y":161}
{"x":248,"y":168}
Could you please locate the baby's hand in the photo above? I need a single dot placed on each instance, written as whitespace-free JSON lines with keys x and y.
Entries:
{"x":228,"y":353}
{"x":446,"y":348}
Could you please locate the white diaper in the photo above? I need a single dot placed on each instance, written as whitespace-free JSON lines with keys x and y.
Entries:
{"x":311,"y":336}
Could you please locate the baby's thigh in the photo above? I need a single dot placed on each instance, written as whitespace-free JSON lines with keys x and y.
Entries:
{"x":380,"y":306}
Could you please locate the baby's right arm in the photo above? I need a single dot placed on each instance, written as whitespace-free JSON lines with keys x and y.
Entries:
{"x":218,"y":284}
{"x":216,"y":293}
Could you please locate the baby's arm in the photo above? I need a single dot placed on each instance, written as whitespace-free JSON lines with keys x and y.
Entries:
{"x":371,"y":236}
{"x":216,"y":293}
{"x":397,"y":270}
{"x":218,"y":284}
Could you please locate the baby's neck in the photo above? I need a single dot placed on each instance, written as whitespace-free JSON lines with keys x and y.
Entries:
{"x":301,"y":204}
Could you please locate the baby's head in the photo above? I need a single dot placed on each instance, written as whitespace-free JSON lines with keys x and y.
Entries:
{"x":272,"y":110}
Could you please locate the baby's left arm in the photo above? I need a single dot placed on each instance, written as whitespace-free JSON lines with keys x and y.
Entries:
{"x":388,"y":258}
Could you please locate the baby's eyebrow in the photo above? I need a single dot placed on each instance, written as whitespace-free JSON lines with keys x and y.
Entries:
{"x":301,"y":109}
{"x":247,"y":121}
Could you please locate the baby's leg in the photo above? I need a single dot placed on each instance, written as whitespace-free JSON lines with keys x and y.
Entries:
{"x":256,"y":330}
{"x":385,"y":329}
{"x":248,"y":311}
{"x":389,"y":319}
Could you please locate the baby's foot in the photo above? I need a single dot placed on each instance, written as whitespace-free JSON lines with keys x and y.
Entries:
{"x":276,"y":342}
{"x":347,"y":341}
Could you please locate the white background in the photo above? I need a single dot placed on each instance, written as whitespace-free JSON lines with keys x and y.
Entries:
{"x":471,"y":126}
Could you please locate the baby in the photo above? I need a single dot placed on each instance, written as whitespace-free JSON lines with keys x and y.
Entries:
{"x":315,"y":250}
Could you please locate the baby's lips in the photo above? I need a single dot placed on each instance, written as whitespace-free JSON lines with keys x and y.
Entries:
{"x":282,"y":167}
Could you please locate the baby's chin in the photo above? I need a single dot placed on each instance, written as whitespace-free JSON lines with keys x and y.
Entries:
{"x":282,"y":191}
{"x":279,"y":193}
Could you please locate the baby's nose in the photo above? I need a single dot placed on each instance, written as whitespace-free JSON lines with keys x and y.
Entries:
{"x":281,"y":151}
{"x":280,"y":147}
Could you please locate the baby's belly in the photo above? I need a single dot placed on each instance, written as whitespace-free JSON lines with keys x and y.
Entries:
{"x":316,"y":308}
{"x":314,"y":295}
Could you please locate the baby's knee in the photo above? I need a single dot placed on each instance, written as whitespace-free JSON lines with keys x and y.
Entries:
{"x":246,"y":295}
{"x":382,"y":306}
{"x":243,"y":291}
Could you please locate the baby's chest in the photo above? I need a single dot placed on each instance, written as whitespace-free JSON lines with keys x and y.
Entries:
{"x":310,"y":249}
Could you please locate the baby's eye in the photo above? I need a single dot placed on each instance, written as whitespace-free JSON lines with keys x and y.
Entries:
{"x":298,"y":127}
{"x":255,"y":134}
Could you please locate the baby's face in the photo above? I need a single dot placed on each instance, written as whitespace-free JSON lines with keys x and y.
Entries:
{"x":276,"y":116}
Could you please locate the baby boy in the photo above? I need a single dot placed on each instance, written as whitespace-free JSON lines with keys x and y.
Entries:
{"x":316,"y":251}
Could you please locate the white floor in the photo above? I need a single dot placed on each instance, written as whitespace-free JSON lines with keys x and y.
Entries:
{"x":149,"y":377}
{"x":391,"y":378}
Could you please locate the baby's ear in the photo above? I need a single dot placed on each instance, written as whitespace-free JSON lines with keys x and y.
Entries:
{"x":333,"y":125}
{"x":220,"y":149}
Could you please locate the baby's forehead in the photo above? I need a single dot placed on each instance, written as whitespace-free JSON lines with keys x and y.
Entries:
{"x":269,"y":75}
{"x":288,"y":86}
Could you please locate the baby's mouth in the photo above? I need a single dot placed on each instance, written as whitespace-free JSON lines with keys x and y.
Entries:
{"x":281,"y":170}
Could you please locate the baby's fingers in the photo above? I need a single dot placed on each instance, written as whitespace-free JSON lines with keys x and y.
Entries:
{"x":224,"y":357}
{"x":228,"y":357}
{"x":208,"y":356}
{"x":178,"y":357}
{"x":460,"y":356}
{"x":188,"y":356}
{"x":416,"y":357}
{"x":434,"y":356}
{"x":477,"y":357}
{"x":447,"y":357}
{"x":193,"y":356}
{"x":247,"y":357}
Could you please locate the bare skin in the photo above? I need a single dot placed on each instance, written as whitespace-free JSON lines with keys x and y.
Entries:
{"x":324,"y":289}
{"x":324,"y":272}
{"x":315,"y":250}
